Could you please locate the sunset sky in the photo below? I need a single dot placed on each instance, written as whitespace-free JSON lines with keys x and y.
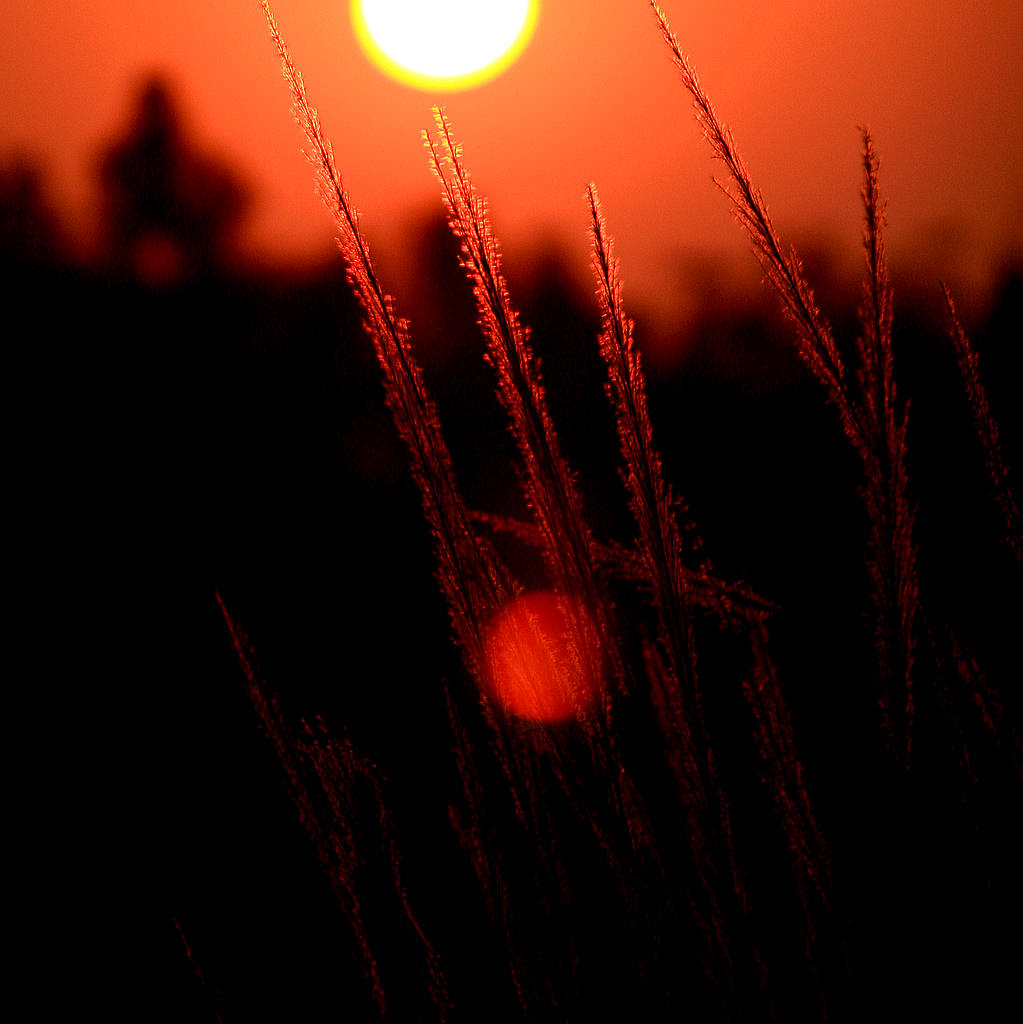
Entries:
{"x":594,"y":96}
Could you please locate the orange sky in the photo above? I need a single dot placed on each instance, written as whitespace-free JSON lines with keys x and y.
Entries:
{"x":594,"y":96}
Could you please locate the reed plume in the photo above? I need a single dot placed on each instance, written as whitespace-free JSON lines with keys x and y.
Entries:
{"x":891,"y":555}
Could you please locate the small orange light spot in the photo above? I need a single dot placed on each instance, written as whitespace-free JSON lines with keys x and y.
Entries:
{"x":541,"y":657}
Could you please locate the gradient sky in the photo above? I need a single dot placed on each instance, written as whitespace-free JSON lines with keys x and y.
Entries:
{"x":593,"y":97}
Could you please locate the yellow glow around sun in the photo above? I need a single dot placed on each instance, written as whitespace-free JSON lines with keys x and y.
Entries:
{"x":444,"y":44}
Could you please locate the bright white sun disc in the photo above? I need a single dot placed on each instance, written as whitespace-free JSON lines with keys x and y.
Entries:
{"x":444,"y":44}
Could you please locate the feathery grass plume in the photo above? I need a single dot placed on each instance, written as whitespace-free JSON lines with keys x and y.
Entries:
{"x":472,"y":580}
{"x":334,"y":842}
{"x":892,"y":555}
{"x":987,"y":430}
{"x":471,"y":577}
{"x":674,"y":685}
{"x":547,"y":481}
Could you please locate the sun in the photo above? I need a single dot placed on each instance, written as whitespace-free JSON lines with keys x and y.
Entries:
{"x":444,"y":45}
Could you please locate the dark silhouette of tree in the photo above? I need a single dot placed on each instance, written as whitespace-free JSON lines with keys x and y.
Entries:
{"x":170,"y":211}
{"x":29,"y":232}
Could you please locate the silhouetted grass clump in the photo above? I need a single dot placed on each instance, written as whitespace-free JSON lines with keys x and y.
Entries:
{"x":667,"y":851}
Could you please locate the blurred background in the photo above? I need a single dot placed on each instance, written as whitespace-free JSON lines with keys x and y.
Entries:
{"x":200,"y":412}
{"x":592,"y":98}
